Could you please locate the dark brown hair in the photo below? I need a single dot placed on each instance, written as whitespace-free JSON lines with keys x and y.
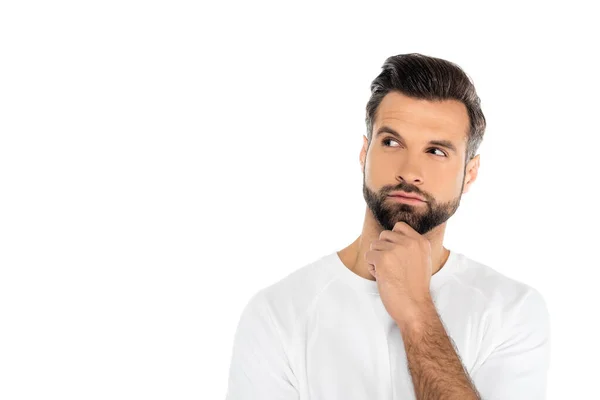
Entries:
{"x":423,"y":77}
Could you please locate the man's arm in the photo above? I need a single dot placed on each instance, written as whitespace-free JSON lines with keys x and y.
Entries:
{"x":436,"y":369}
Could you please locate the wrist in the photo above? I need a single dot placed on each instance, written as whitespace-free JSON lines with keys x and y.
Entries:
{"x":417,"y":317}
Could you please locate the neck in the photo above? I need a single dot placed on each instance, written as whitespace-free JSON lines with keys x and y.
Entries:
{"x":353,"y":256}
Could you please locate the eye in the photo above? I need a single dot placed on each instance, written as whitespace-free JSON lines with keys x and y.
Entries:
{"x":443,"y":152}
{"x":385,"y":142}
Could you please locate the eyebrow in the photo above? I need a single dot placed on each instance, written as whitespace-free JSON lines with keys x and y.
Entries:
{"x":442,"y":143}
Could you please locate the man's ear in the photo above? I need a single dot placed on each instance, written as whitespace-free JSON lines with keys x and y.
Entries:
{"x":363,"y":153}
{"x":471,"y":173}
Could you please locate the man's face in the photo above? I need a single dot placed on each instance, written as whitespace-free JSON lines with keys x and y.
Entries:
{"x":412,"y":164}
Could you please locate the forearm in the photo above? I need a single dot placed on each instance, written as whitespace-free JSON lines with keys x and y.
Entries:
{"x":436,"y":369}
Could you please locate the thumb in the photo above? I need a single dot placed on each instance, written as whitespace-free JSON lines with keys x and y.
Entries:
{"x":372,"y":270}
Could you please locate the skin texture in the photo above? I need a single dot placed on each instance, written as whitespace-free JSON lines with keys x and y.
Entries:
{"x":400,"y":245}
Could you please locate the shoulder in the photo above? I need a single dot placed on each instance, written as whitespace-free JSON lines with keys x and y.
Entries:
{"x":497,"y":289}
{"x":289,"y":298}
{"x":519,"y":309}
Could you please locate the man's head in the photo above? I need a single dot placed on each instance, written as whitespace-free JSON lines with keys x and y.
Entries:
{"x":432,"y":104}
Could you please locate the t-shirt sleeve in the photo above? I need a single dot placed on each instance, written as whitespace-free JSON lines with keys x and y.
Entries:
{"x":259,"y":368}
{"x":517,"y":367}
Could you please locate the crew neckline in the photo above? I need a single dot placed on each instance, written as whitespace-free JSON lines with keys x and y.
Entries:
{"x":369,"y":286}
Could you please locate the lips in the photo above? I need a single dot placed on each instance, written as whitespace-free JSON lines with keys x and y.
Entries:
{"x":406,"y":195}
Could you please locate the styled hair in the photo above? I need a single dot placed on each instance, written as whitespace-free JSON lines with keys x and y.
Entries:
{"x":429,"y":78}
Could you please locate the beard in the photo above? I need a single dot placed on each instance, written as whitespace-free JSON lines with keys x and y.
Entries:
{"x":422,"y":218}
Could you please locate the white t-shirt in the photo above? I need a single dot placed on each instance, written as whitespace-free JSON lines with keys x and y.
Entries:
{"x":322,"y":333}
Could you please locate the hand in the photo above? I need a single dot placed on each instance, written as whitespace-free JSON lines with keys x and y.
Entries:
{"x":400,"y":261}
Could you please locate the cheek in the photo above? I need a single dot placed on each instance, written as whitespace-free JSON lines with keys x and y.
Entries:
{"x":378,"y":175}
{"x":444,"y":186}
{"x":449,"y":179}
{"x":370,"y":170}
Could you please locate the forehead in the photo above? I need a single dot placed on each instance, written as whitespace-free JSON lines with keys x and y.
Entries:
{"x":446,"y":119}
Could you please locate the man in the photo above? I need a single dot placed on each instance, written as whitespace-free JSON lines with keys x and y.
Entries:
{"x":395,"y":314}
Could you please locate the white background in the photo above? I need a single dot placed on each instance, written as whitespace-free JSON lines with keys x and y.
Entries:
{"x":160,"y":162}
